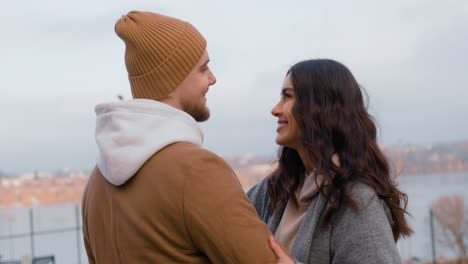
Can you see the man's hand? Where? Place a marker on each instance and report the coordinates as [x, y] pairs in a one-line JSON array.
[[283, 257]]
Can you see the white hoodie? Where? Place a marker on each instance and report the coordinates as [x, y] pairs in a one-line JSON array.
[[129, 133]]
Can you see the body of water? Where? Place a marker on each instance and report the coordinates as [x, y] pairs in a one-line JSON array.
[[423, 191]]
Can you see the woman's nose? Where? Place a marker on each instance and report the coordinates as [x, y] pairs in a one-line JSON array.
[[276, 110]]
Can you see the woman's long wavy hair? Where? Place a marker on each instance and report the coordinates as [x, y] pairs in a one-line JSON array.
[[332, 119]]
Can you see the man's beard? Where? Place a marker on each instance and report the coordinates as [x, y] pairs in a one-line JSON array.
[[199, 112]]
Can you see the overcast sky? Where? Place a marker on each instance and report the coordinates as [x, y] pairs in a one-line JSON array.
[[61, 58]]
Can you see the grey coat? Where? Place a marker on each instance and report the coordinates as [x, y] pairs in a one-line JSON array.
[[351, 237]]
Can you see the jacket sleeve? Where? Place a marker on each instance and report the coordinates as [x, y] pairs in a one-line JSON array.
[[363, 236], [219, 217]]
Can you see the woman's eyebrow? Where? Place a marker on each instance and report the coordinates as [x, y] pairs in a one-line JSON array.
[[287, 89]]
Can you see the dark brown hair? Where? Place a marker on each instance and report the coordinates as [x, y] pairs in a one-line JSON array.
[[333, 119]]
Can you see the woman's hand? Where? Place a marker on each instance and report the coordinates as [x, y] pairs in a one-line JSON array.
[[283, 257]]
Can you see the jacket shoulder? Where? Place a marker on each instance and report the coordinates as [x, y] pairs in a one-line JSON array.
[[367, 229], [363, 194], [368, 204], [183, 153]]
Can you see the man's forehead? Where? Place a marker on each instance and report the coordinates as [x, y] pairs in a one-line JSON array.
[[204, 59]]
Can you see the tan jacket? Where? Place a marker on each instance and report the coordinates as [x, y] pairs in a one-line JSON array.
[[185, 205]]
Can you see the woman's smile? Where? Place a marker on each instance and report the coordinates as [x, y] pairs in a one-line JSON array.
[[281, 124]]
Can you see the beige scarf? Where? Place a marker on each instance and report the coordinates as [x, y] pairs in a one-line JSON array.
[[292, 218]]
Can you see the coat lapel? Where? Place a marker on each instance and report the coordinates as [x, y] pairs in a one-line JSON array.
[[303, 242], [275, 219]]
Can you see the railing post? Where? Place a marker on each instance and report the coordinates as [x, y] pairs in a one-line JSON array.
[[78, 232], [431, 219], [10, 238], [31, 228]]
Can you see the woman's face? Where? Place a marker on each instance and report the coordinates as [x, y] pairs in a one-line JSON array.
[[288, 132]]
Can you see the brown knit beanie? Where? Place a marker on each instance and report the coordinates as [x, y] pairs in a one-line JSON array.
[[160, 52]]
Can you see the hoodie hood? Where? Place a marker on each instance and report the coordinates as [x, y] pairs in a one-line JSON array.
[[129, 133]]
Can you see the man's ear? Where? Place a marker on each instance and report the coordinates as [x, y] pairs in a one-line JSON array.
[[171, 99]]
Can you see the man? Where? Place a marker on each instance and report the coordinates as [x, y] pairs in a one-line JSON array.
[[156, 196]]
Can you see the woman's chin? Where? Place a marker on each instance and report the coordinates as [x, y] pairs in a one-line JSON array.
[[278, 141], [281, 142]]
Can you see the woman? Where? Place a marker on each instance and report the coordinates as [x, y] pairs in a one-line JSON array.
[[331, 199]]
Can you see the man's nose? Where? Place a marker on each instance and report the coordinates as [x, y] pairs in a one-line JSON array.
[[212, 79]]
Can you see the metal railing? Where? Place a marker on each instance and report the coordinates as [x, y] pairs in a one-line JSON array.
[[61, 245]]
